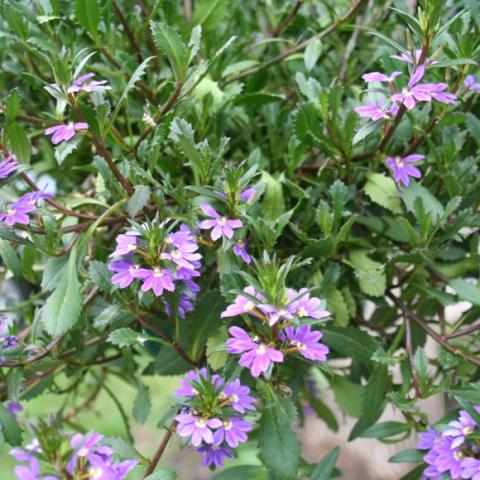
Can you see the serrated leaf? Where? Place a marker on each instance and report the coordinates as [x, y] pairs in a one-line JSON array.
[[11, 259], [209, 13], [430, 202], [382, 190], [217, 354], [138, 200], [63, 150], [9, 427], [364, 132], [370, 274], [337, 305], [100, 275], [125, 337], [171, 44], [19, 142], [273, 204], [63, 307], [279, 446], [466, 290]]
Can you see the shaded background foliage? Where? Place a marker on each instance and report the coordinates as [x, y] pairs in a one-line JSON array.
[[186, 77]]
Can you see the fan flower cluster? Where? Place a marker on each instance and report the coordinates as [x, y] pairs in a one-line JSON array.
[[18, 212], [90, 460], [258, 353], [159, 263], [84, 84], [213, 415], [454, 451]]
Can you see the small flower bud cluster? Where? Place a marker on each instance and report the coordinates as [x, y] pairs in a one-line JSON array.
[[454, 451], [259, 352], [213, 415]]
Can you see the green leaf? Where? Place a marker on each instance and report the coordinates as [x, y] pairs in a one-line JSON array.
[[9, 427], [137, 75], [453, 62], [412, 455], [10, 259], [337, 305], [351, 342], [347, 395], [370, 274], [217, 354], [431, 204], [242, 472], [324, 469], [312, 52], [167, 362], [100, 275], [19, 142], [138, 200], [309, 87], [279, 446], [162, 474], [65, 149], [204, 320], [15, 384], [63, 307], [142, 404], [273, 204], [364, 132], [13, 107], [382, 190], [87, 13], [473, 125], [385, 430], [171, 44], [124, 449], [126, 337], [258, 98], [372, 401], [466, 290], [209, 13]]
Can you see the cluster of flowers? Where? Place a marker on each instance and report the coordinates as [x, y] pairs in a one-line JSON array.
[[6, 340], [90, 460], [84, 84], [173, 260], [223, 227], [406, 98], [212, 415], [454, 451], [258, 353]]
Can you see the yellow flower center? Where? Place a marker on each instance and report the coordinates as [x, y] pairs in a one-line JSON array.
[[222, 220], [241, 243], [176, 254], [249, 306], [398, 161], [458, 455], [82, 452], [406, 92], [227, 425], [133, 269], [95, 472], [131, 247], [157, 272], [11, 211], [300, 345], [262, 348], [302, 312], [200, 423], [467, 430]]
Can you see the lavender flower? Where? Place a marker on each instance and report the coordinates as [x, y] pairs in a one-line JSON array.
[[9, 341], [471, 468], [256, 355], [380, 77], [8, 165], [413, 93], [82, 84], [305, 306], [243, 304], [221, 226], [126, 272], [126, 245], [238, 396], [460, 429], [240, 250], [158, 280], [31, 472], [428, 439], [14, 408], [214, 455], [274, 314], [84, 446], [377, 111], [307, 342], [186, 389], [402, 170], [232, 431], [408, 58], [471, 84], [18, 212], [199, 429], [65, 132]]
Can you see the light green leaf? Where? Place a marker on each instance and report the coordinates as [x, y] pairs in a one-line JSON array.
[[11, 259], [217, 354], [63, 307], [466, 290], [126, 337], [412, 455], [312, 52], [171, 44], [19, 142], [431, 204], [142, 404], [9, 427], [242, 472], [138, 200], [87, 13], [209, 13], [370, 274], [348, 395], [273, 204], [162, 474], [337, 305], [382, 190], [385, 430]]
